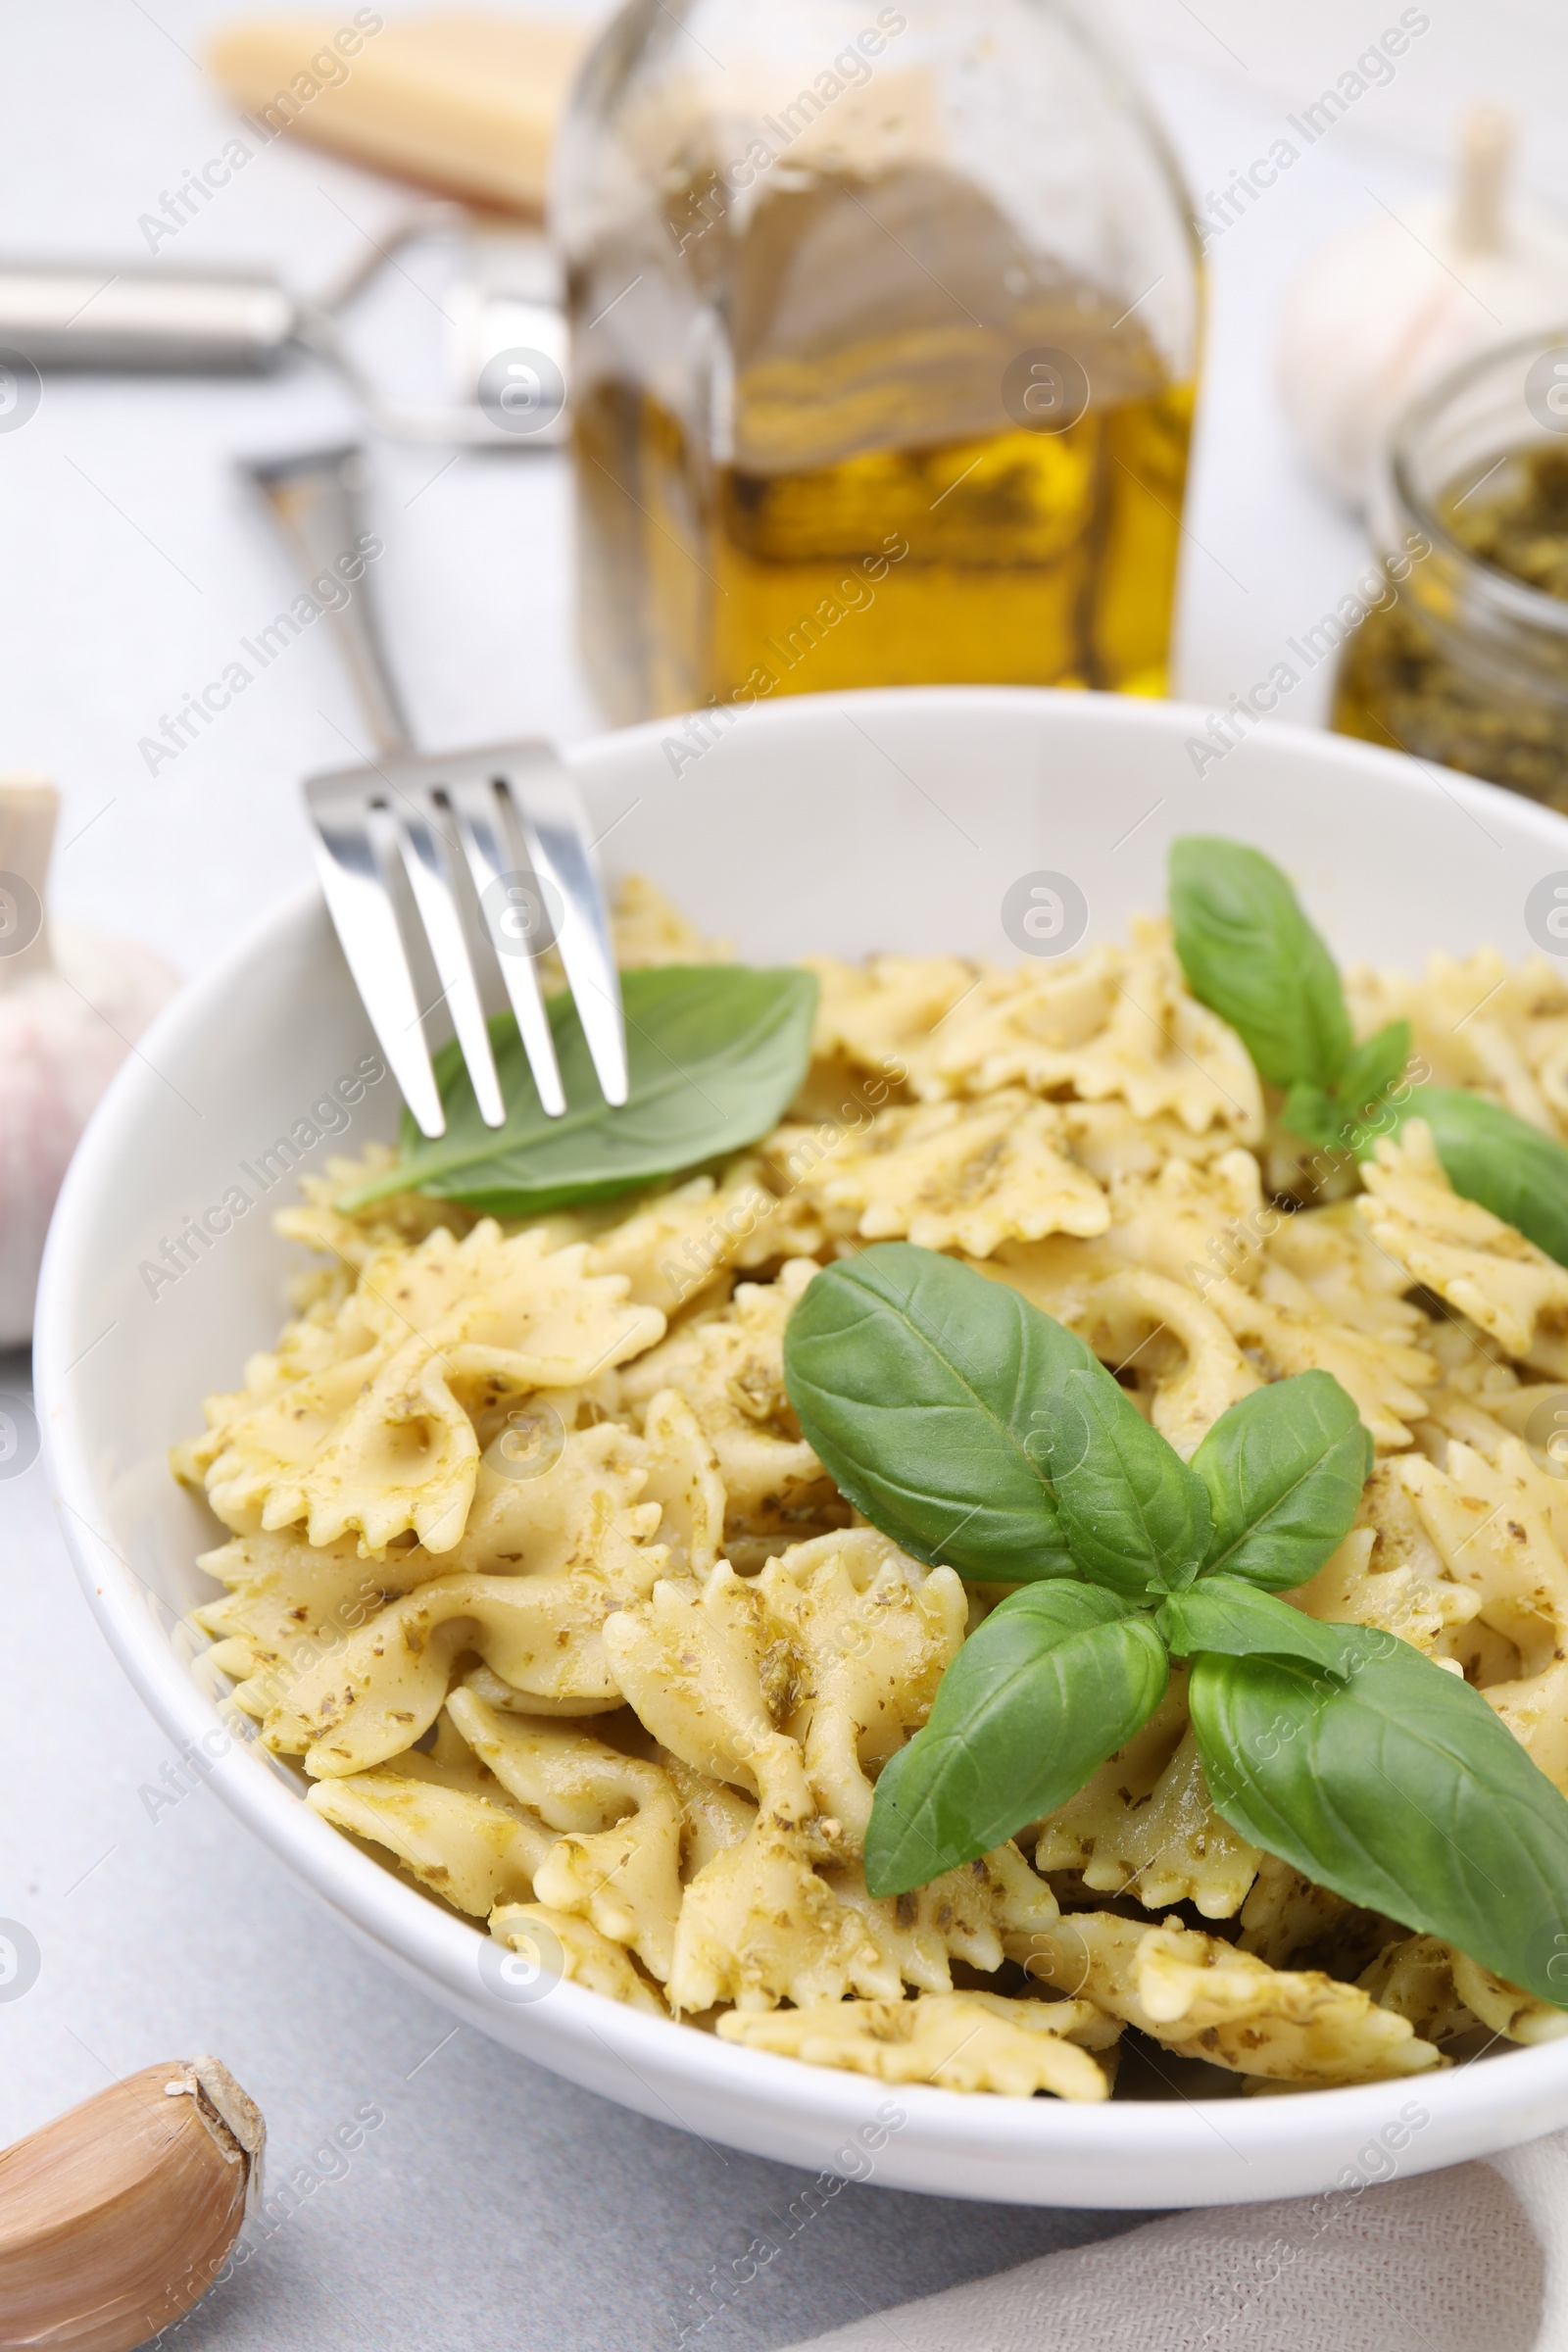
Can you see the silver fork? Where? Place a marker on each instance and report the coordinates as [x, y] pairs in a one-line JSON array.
[[494, 840]]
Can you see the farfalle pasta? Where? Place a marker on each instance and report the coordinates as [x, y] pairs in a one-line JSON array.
[[530, 1568]]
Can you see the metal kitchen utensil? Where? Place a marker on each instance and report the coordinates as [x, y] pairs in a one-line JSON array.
[[493, 843], [503, 312]]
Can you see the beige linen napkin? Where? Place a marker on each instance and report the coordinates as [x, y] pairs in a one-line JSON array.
[[1471, 2260]]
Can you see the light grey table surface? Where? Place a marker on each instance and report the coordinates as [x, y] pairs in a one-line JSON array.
[[495, 2205]]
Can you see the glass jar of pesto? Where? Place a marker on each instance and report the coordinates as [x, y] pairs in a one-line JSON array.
[[1465, 661]]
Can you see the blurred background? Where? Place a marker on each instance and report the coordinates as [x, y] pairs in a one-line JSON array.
[[137, 560], [1033, 286]]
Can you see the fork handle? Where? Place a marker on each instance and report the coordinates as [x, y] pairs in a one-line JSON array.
[[317, 503]]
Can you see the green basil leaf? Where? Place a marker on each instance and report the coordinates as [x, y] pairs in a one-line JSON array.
[[1491, 1156], [1053, 1682], [1284, 1469], [1373, 1067], [919, 1384], [1250, 955], [1235, 1620], [1135, 1517], [1338, 1121], [1400, 1789], [1315, 1115], [715, 1053]]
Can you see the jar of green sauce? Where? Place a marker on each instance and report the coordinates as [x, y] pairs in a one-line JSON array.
[[1464, 659]]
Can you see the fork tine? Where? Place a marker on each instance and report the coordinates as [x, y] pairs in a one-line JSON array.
[[426, 862], [367, 924], [474, 802], [555, 826]]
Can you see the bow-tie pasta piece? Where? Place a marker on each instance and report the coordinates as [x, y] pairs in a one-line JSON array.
[[700, 1668], [1495, 1540], [960, 1176], [344, 1328], [964, 1915], [1180, 1356], [873, 1016], [551, 1500], [1476, 1023], [1113, 1143], [1283, 1326], [645, 929], [958, 2041], [870, 1635], [381, 1443], [1192, 1224], [1203, 1999], [385, 1685], [683, 1478], [399, 1223], [784, 1915], [587, 1958], [402, 1456], [1018, 1027], [617, 1860], [1389, 1572], [729, 1366], [676, 1249], [1333, 1255], [545, 1561], [714, 1815], [1209, 1230], [1455, 2002], [1143, 1825], [260, 1440], [1285, 1918], [762, 1924], [1501, 2007], [1516, 1295], [1112, 1024], [447, 1820], [758, 1926], [289, 1607]]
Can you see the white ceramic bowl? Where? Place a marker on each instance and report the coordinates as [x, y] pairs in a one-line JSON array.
[[892, 819]]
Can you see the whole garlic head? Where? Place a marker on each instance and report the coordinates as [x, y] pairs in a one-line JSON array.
[[1380, 313], [71, 1005]]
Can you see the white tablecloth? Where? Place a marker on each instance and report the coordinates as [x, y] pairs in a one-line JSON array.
[[494, 2206]]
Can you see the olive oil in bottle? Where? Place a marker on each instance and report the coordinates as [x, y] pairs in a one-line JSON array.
[[870, 397]]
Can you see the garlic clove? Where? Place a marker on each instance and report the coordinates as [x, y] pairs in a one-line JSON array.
[[116, 2218], [72, 1004], [1380, 315]]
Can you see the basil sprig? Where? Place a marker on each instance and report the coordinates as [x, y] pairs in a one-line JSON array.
[[714, 1055], [1252, 956], [971, 1428]]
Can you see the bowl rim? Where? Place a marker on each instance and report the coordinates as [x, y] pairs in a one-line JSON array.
[[437, 1949]]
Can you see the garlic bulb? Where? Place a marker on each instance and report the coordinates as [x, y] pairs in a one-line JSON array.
[[116, 2218], [1380, 315], [72, 1004]]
